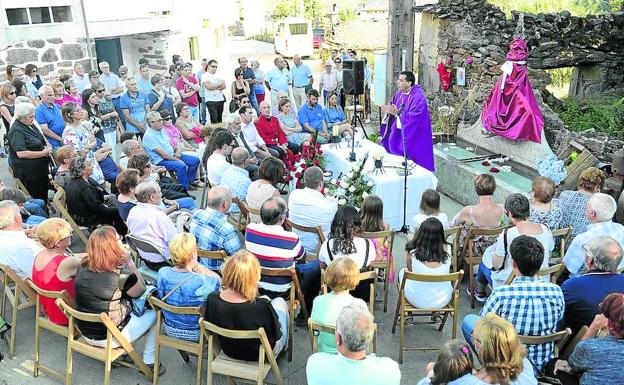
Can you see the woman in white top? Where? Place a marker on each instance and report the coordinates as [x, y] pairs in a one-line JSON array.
[[430, 208], [428, 253], [344, 241]]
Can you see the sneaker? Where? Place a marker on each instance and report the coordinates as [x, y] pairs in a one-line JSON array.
[[198, 183], [479, 295]]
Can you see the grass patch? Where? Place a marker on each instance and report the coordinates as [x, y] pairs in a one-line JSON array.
[[604, 113]]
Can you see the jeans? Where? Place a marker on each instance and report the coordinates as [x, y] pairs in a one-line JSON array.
[[33, 220], [137, 327], [281, 309], [321, 139], [484, 275], [36, 207], [468, 325], [194, 111], [202, 111], [254, 102], [185, 168], [310, 278], [186, 203]]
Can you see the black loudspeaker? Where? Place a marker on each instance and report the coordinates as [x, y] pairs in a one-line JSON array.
[[353, 77]]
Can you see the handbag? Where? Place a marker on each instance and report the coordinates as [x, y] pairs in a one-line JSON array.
[[502, 266]]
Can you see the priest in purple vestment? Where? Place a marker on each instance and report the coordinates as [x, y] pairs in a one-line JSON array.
[[408, 112], [511, 110]]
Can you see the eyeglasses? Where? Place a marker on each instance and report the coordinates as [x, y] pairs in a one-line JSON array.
[[213, 66], [168, 118], [99, 91], [157, 120], [167, 77]]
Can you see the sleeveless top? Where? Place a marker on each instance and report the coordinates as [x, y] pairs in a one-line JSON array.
[[257, 193], [7, 124], [47, 279], [238, 91]]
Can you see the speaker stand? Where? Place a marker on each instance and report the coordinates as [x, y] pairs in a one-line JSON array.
[[356, 118]]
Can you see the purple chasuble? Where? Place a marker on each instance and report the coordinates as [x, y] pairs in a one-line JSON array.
[[416, 123], [511, 110]]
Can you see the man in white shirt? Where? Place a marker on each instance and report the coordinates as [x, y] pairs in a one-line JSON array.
[[213, 86], [354, 332], [328, 81], [18, 251], [250, 134], [278, 79], [217, 162], [308, 207], [82, 81], [112, 82]]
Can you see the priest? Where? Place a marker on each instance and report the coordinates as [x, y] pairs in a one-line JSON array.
[[407, 115]]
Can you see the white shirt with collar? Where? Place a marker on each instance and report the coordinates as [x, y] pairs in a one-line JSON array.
[[216, 166], [253, 139], [308, 207], [18, 252], [574, 258]]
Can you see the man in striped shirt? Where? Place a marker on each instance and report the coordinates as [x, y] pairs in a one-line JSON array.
[[277, 248], [533, 306]]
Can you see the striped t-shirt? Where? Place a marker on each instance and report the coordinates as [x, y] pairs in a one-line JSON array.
[[275, 248]]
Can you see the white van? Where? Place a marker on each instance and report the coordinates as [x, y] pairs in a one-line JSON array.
[[294, 36]]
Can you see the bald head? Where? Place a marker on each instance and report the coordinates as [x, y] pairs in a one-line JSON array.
[[273, 211], [219, 198], [604, 253], [265, 108], [239, 156]]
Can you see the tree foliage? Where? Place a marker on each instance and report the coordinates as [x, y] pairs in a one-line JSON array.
[[576, 7]]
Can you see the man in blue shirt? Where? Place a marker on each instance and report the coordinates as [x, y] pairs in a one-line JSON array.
[[144, 80], [135, 106], [249, 75], [158, 147], [237, 177], [48, 115], [312, 118], [278, 79], [301, 80]]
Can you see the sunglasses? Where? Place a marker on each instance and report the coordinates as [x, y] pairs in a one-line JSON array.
[[167, 118], [167, 77], [337, 62], [99, 91], [12, 93], [214, 66]]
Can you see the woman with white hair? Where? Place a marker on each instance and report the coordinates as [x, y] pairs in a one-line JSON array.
[[259, 74], [28, 152]]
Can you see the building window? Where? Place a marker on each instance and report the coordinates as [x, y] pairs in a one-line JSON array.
[[39, 15]]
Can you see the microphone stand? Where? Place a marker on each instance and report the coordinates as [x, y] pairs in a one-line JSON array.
[[405, 227]]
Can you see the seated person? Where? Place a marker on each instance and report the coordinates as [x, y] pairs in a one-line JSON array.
[[17, 196], [158, 147], [289, 123], [312, 118], [236, 177], [239, 307], [335, 117], [275, 110], [428, 253], [99, 289], [574, 203], [533, 307], [597, 360], [341, 276], [170, 190], [583, 294], [345, 241], [249, 136], [544, 209], [496, 267], [217, 163], [64, 156], [600, 211], [271, 173], [269, 129], [233, 124], [354, 332], [85, 200], [147, 221], [18, 250], [211, 226], [34, 206], [129, 148], [176, 138], [430, 208], [54, 267], [186, 284]]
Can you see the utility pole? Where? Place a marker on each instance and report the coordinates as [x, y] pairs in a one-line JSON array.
[[400, 37]]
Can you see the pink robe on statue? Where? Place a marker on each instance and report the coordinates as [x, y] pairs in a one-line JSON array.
[[511, 110]]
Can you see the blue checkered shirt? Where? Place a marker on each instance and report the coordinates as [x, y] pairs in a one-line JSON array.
[[534, 307], [214, 232], [237, 179], [574, 258]]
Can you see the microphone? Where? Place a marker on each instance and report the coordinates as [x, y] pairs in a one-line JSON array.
[[401, 107]]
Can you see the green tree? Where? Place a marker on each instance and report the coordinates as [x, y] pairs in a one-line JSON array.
[[284, 9]]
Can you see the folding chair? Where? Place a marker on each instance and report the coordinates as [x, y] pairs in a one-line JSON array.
[[43, 322], [18, 182], [564, 353], [565, 233], [453, 232], [558, 339], [387, 264], [19, 295], [229, 367], [220, 255], [317, 230], [165, 340], [61, 206], [206, 187], [145, 246], [315, 329], [368, 275], [243, 216], [554, 271], [405, 309], [106, 354], [469, 256], [295, 299]]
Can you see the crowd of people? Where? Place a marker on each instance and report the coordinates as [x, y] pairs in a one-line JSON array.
[[158, 123]]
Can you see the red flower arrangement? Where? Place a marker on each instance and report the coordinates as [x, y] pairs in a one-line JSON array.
[[309, 156]]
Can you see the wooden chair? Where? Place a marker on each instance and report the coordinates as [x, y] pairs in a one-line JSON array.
[[61, 206], [559, 339], [19, 295], [242, 220], [565, 233], [453, 232], [405, 309], [385, 265], [106, 354], [315, 329], [295, 299], [554, 271], [43, 322], [165, 340], [318, 231], [18, 182], [372, 275], [469, 256], [215, 254], [146, 246], [229, 367], [569, 348]]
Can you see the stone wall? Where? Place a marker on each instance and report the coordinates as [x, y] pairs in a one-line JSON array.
[[462, 29], [150, 46], [48, 55]]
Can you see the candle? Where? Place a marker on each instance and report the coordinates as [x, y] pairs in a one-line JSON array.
[[335, 130], [379, 156]]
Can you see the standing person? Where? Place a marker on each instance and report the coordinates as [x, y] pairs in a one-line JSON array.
[[213, 86], [328, 82], [109, 116], [239, 88], [7, 110], [31, 75], [89, 105], [248, 75], [158, 100], [28, 152], [415, 120], [340, 89], [59, 91], [94, 78], [112, 82], [368, 85], [144, 81], [81, 81], [170, 90], [135, 107], [72, 92], [312, 118], [202, 96], [278, 79], [188, 86], [302, 80], [260, 76]]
